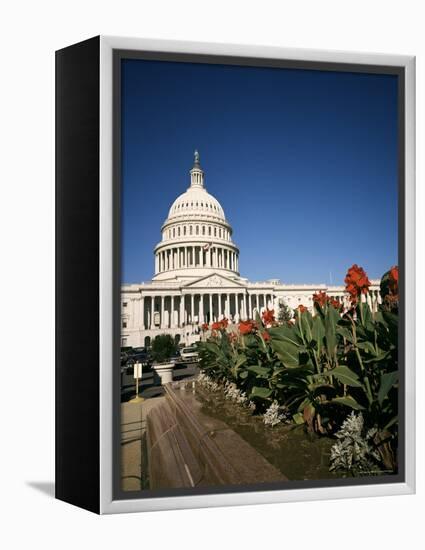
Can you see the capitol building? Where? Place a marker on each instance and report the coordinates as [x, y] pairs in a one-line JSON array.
[[197, 277]]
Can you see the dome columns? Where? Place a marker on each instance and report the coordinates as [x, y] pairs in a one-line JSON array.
[[196, 256]]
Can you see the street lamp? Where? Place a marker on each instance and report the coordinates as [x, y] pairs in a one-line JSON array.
[[137, 375]]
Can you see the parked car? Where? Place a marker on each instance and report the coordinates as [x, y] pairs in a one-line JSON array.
[[189, 355], [176, 357], [138, 355]]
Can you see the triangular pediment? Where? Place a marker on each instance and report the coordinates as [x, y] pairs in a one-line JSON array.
[[214, 280]]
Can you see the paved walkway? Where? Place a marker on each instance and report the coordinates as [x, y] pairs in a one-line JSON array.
[[134, 464], [134, 474]]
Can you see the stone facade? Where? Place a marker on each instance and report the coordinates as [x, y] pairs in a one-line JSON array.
[[197, 276]]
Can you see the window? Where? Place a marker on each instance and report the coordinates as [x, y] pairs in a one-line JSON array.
[[209, 230], [197, 229], [123, 342], [178, 231], [215, 232], [184, 230], [190, 230], [174, 232], [124, 323], [203, 230], [124, 304]]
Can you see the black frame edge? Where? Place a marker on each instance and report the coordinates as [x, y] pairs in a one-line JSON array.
[[77, 459]]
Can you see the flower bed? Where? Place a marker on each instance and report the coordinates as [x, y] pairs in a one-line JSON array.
[[333, 371]]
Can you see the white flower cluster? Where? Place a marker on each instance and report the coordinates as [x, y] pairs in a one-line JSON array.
[[208, 382], [273, 415], [232, 392], [352, 451]]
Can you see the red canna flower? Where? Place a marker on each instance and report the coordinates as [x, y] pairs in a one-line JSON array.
[[246, 327], [268, 317], [356, 282], [320, 298], [205, 327], [393, 280], [302, 309], [334, 303], [266, 336], [220, 325]]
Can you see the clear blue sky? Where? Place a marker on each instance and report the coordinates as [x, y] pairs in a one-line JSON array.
[[303, 162]]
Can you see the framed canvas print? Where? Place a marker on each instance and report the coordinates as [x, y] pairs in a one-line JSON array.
[[235, 275]]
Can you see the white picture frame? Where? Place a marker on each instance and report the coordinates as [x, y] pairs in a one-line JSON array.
[[108, 504]]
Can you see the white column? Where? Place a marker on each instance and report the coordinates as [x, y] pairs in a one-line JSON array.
[[219, 305], [152, 311], [172, 321], [211, 307], [227, 306], [161, 323], [181, 316], [142, 313], [201, 309], [192, 307]]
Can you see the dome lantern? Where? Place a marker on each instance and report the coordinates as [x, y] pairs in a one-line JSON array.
[[196, 174]]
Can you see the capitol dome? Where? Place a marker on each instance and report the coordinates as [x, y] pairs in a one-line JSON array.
[[196, 237], [196, 202]]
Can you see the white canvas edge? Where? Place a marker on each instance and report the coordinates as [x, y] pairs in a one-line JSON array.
[[107, 504]]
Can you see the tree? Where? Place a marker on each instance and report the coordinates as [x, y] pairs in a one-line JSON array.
[[163, 348], [284, 313]]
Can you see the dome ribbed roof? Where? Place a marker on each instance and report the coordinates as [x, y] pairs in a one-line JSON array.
[[196, 201]]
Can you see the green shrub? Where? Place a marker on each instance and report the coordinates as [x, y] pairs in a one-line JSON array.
[[163, 348]]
